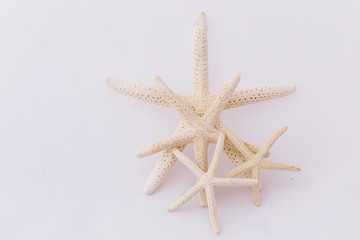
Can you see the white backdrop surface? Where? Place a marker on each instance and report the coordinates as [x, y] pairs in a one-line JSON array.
[[67, 142]]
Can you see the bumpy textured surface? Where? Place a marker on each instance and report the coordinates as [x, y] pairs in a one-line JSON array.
[[207, 181], [199, 101], [199, 130], [163, 166], [200, 125]]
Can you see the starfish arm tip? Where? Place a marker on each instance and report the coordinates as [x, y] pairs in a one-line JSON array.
[[235, 79], [237, 75], [110, 82], [287, 89], [203, 203], [149, 189], [140, 153], [292, 89], [157, 79], [115, 84], [201, 18], [297, 169]]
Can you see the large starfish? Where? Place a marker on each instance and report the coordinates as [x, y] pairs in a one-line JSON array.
[[197, 130], [256, 162], [207, 181], [200, 101]]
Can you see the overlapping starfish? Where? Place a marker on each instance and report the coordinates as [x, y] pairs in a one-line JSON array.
[[201, 125], [207, 180]]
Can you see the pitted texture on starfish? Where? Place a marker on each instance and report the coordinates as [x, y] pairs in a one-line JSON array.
[[144, 93], [163, 166], [199, 128], [207, 181], [258, 94], [200, 59], [199, 111], [239, 98]]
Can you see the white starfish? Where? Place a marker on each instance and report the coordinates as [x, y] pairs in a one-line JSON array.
[[256, 162], [207, 181], [198, 130], [200, 101]]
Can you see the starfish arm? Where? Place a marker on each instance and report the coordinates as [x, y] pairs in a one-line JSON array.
[[256, 194], [186, 197], [278, 166], [144, 93], [200, 82], [235, 156], [252, 147], [237, 159], [256, 188], [188, 163], [240, 169], [210, 197], [258, 94], [234, 181], [176, 102], [160, 171], [200, 153], [163, 166], [230, 145], [221, 100], [268, 144], [166, 143], [217, 154], [249, 155]]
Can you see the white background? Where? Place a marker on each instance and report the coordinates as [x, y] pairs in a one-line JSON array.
[[67, 142]]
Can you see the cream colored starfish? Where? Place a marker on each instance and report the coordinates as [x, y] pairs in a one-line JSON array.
[[200, 100], [256, 162], [207, 181], [198, 130]]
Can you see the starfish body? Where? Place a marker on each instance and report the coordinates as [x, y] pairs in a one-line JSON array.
[[207, 181], [197, 107]]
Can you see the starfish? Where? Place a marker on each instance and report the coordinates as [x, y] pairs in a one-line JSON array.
[[207, 181], [256, 162], [198, 130], [200, 101]]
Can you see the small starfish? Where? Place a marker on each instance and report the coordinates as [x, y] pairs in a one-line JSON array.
[[256, 162], [207, 181], [200, 101]]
